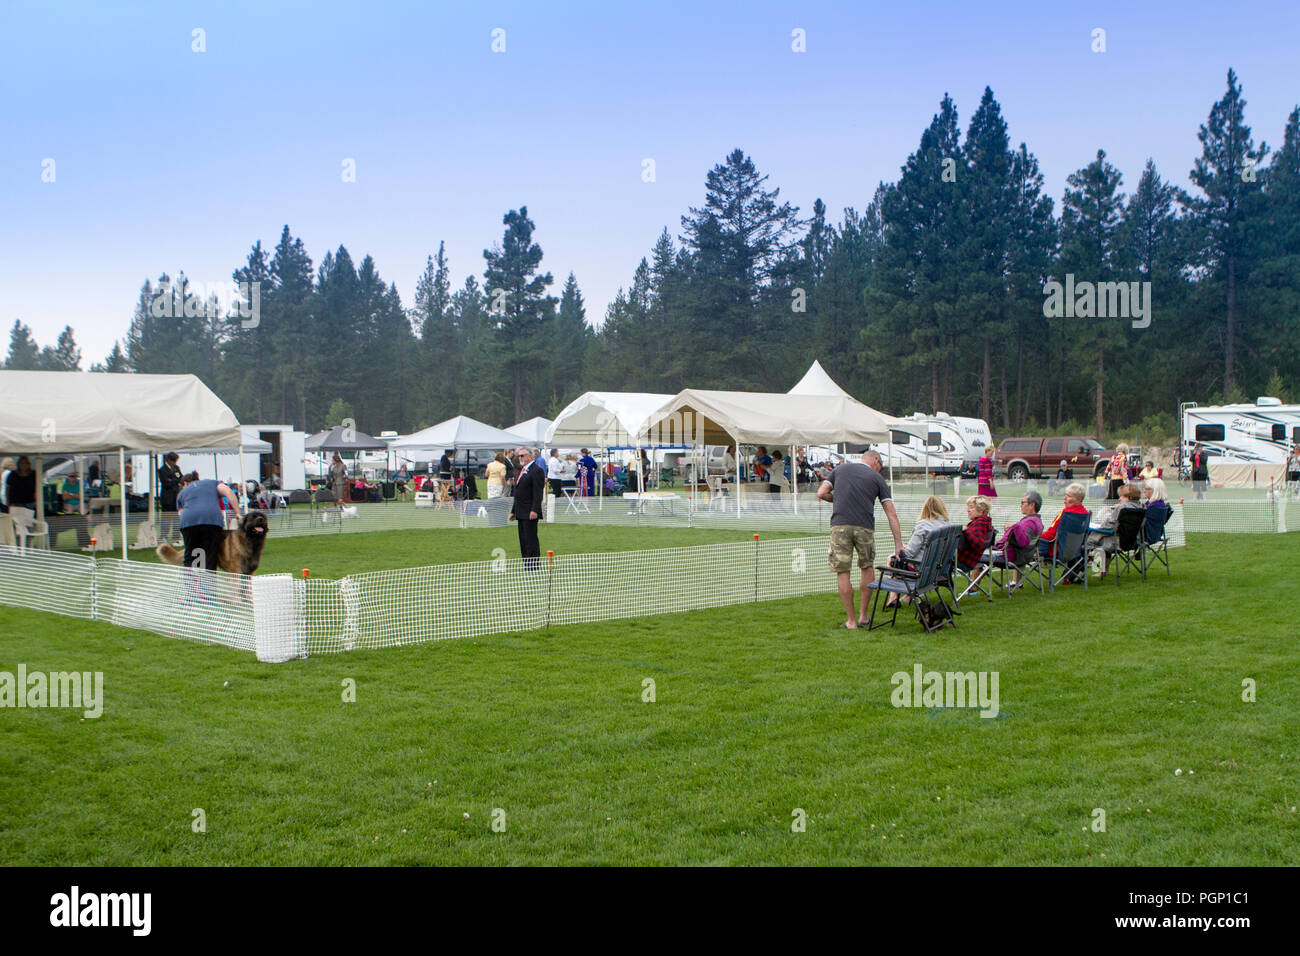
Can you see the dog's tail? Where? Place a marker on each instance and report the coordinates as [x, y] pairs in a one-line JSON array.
[[169, 554]]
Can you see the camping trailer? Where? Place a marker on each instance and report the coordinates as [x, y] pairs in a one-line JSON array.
[[1262, 433], [951, 443]]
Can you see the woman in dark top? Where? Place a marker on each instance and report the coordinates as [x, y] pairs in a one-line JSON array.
[[20, 486], [1200, 472], [202, 523]]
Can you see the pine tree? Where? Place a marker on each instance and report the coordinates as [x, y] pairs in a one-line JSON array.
[[985, 186], [24, 353], [1274, 282], [1091, 214], [916, 292], [64, 357], [1031, 253], [247, 356], [1226, 173], [288, 308], [569, 343], [518, 303], [441, 343]]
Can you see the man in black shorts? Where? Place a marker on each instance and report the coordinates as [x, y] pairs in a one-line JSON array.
[[853, 489]]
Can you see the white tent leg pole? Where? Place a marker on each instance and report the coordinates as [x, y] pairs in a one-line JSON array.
[[152, 476], [891, 458], [243, 482], [40, 492], [733, 438], [81, 483], [121, 484], [794, 476]]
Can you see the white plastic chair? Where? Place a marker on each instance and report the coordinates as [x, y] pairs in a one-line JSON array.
[[27, 527], [7, 531]]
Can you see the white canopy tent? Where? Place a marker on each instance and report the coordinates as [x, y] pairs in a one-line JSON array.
[[457, 434], [71, 413], [605, 419], [531, 432]]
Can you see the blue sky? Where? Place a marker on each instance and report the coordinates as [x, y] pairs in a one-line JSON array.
[[168, 159]]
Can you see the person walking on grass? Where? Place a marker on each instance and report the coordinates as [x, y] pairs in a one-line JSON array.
[[853, 489]]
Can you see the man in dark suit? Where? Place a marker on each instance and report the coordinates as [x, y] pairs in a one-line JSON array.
[[530, 495]]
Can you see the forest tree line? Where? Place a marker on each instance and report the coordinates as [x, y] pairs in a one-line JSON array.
[[931, 298]]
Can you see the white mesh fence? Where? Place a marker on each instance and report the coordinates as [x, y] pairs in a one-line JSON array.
[[413, 605], [208, 606], [47, 581]]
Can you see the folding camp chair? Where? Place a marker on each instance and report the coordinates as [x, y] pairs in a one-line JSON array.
[[1128, 530], [1027, 564], [323, 503], [1154, 540], [1069, 558], [974, 576], [916, 586]]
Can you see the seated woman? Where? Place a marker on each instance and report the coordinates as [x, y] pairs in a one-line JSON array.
[[1156, 495], [934, 515], [1074, 496], [1018, 536], [1150, 471], [1104, 537], [978, 534]]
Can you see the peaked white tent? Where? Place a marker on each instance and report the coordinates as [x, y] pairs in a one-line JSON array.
[[817, 381], [771, 418], [604, 420], [531, 432], [72, 413], [457, 434]]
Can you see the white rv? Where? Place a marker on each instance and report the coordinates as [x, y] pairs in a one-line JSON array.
[[1262, 433], [951, 443]]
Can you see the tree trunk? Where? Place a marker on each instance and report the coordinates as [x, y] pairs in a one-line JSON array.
[[1060, 393], [1232, 325], [1020, 378], [519, 394], [934, 387], [1006, 406], [1101, 380], [987, 385]]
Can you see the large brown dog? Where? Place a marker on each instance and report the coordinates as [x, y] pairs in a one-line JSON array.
[[241, 548]]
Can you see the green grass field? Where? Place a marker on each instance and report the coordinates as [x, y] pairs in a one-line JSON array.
[[759, 710]]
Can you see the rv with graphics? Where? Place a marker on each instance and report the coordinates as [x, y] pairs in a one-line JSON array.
[[1262, 433], [951, 443]]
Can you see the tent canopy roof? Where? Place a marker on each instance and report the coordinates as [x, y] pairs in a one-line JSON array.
[[531, 432], [769, 418], [604, 419], [340, 439], [44, 413], [817, 381], [457, 433]]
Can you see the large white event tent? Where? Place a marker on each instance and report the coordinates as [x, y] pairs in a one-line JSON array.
[[77, 413], [769, 418]]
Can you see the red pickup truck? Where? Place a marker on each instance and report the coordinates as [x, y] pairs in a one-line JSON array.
[[1019, 458]]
